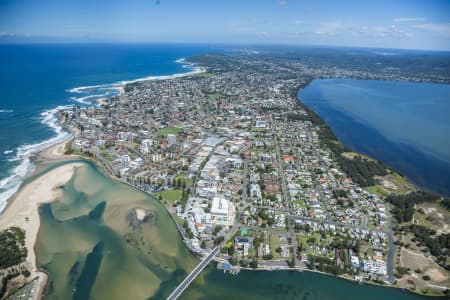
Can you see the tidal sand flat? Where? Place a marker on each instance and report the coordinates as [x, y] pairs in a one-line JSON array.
[[22, 210], [104, 240]]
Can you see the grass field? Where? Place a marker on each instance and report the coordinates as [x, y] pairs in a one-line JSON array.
[[106, 156], [391, 183], [434, 216], [421, 219], [257, 129], [183, 178], [303, 240], [202, 75], [171, 196], [276, 242], [377, 190], [168, 130], [417, 261], [216, 96], [178, 219], [352, 155]]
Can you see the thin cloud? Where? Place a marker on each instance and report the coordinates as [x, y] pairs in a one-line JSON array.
[[415, 19], [258, 21], [7, 34], [440, 28], [331, 28], [340, 28], [262, 34], [389, 31]]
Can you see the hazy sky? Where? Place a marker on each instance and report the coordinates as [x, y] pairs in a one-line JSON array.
[[417, 24]]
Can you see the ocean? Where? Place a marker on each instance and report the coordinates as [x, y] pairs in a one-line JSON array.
[[405, 125], [37, 80]]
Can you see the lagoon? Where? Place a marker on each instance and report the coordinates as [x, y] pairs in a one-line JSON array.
[[405, 125], [92, 248]]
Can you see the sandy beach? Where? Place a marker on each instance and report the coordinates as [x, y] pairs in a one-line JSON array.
[[102, 101], [23, 208], [54, 152], [120, 89]]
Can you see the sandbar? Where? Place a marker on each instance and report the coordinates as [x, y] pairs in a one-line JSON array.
[[22, 210]]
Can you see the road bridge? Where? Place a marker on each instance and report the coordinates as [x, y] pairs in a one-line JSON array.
[[197, 270]]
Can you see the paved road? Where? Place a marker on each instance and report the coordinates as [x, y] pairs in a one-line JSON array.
[[285, 193], [197, 270], [390, 256], [322, 199], [244, 182], [267, 229], [337, 224], [319, 221]]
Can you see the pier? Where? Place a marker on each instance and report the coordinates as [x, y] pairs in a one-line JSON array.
[[226, 267]]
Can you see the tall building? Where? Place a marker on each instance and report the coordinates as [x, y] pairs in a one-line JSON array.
[[222, 211], [145, 146], [171, 139]]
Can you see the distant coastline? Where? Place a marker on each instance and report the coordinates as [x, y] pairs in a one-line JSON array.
[[121, 84]]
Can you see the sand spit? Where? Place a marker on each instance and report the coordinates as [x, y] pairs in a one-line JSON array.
[[22, 210]]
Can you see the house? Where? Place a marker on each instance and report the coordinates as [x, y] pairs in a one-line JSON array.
[[288, 159], [243, 243], [255, 191]]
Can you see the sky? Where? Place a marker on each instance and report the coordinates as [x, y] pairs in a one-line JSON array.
[[411, 24]]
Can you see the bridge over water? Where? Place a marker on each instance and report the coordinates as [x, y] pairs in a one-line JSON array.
[[197, 270]]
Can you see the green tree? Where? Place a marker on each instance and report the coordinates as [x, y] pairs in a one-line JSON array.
[[254, 263]]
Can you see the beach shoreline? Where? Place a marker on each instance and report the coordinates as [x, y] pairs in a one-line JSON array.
[[11, 185], [22, 210], [52, 119]]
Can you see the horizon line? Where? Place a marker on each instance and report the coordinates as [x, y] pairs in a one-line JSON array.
[[241, 44]]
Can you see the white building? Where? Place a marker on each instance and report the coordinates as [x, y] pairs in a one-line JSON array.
[[222, 211], [145, 146], [255, 191], [375, 266], [171, 139], [100, 143]]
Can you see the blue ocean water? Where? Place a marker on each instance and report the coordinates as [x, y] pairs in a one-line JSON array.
[[36, 79], [405, 125]]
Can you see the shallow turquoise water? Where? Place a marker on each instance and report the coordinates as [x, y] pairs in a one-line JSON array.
[[93, 247]]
